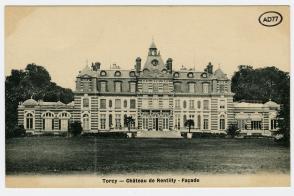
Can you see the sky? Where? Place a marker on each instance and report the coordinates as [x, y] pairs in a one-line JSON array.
[[65, 39]]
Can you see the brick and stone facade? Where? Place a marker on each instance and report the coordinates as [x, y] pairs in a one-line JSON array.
[[156, 96]]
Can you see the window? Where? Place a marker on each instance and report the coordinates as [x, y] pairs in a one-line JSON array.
[[255, 125], [117, 73], [242, 124], [177, 104], [85, 120], [199, 104], [222, 124], [117, 104], [29, 121], [102, 121], [133, 104], [48, 121], [190, 75], [177, 87], [184, 104], [85, 102], [198, 122], [118, 121], [274, 124], [102, 73], [176, 75], [133, 87], [110, 103], [155, 87], [165, 123], [221, 88], [102, 103], [117, 86], [191, 87], [63, 124], [103, 86], [178, 121], [206, 105], [205, 122], [125, 103], [144, 87], [191, 104], [184, 119], [165, 88], [110, 121], [205, 87], [145, 122], [222, 104]]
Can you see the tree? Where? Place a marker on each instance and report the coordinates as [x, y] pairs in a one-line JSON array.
[[75, 128], [129, 121], [232, 130], [264, 84], [189, 123], [34, 81]]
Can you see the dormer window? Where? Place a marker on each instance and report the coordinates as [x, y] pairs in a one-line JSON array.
[[204, 75], [176, 75], [190, 75], [103, 73], [132, 74], [117, 73]]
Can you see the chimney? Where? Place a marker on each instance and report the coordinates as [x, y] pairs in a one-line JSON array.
[[96, 66], [209, 68], [138, 64], [169, 65]]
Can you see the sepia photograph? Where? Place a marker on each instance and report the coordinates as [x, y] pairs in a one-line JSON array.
[[147, 96]]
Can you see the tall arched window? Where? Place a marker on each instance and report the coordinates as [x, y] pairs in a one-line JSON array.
[[48, 121], [222, 122], [86, 122], [29, 121], [110, 121], [184, 104], [63, 121], [125, 103], [198, 122], [184, 119]]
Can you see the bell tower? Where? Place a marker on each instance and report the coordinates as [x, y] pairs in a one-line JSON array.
[[153, 49]]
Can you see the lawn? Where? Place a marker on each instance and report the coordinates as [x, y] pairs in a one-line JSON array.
[[88, 155]]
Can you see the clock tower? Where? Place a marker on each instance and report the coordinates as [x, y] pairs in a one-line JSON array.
[[154, 60]]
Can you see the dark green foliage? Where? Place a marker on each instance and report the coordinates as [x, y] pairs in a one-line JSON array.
[[17, 131], [75, 128], [33, 82], [232, 130], [129, 121], [264, 84], [189, 123]]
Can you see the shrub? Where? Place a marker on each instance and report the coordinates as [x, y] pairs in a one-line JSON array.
[[19, 131], [75, 128], [232, 130]]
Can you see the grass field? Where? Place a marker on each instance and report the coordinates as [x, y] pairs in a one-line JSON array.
[[84, 155]]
